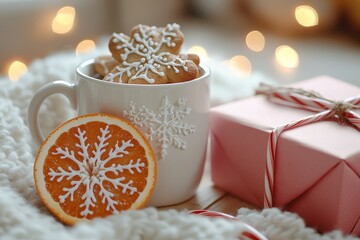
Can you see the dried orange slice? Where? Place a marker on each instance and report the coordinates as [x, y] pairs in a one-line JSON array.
[[93, 166]]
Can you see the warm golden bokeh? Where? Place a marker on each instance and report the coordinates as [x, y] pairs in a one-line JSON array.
[[85, 46], [64, 20], [200, 51], [241, 64], [255, 41], [16, 69], [287, 56], [306, 16]]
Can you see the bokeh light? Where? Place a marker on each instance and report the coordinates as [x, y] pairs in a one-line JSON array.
[[16, 70], [287, 56], [200, 51], [241, 64], [306, 16], [255, 41], [85, 46], [64, 20]]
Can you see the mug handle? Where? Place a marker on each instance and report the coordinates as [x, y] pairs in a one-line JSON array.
[[62, 87]]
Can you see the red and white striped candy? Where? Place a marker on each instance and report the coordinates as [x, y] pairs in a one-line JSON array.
[[249, 232]]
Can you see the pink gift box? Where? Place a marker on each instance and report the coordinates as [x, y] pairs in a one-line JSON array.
[[317, 168]]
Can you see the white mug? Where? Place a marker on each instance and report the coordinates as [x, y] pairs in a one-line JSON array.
[[173, 117]]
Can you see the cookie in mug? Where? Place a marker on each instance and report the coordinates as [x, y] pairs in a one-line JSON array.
[[150, 55]]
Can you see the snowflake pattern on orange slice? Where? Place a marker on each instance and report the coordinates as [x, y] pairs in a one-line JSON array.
[[164, 126], [147, 53], [92, 171]]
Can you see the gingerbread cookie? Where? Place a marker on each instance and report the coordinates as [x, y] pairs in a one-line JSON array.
[[193, 57], [150, 56], [104, 64]]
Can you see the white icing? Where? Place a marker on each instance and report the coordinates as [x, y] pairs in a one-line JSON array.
[[165, 126], [150, 58], [93, 171]]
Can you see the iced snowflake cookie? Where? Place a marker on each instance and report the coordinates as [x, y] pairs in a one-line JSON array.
[[193, 57], [150, 55], [93, 166]]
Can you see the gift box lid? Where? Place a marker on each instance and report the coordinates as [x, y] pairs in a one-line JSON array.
[[260, 113]]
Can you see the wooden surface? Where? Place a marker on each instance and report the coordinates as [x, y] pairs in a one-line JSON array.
[[211, 198]]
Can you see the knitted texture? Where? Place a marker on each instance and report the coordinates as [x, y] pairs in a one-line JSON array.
[[275, 224], [23, 215]]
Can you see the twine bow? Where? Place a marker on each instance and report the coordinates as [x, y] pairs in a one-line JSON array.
[[298, 98]]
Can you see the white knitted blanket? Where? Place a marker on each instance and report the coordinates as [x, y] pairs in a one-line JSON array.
[[23, 216]]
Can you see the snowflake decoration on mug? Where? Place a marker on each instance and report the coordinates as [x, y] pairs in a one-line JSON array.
[[165, 126]]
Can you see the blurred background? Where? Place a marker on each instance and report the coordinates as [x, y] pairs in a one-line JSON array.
[[283, 40]]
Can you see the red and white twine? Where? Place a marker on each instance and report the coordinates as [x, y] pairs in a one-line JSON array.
[[325, 108]]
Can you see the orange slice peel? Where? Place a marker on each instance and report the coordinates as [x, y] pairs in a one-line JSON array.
[[93, 166]]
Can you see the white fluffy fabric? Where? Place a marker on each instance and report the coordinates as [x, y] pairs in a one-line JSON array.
[[23, 215]]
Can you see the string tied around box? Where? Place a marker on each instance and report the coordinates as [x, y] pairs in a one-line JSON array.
[[342, 111]]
